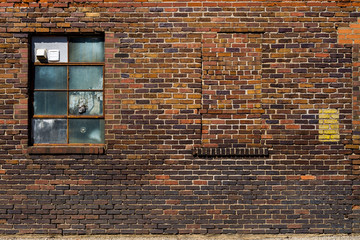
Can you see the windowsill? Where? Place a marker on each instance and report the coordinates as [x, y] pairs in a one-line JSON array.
[[230, 152], [61, 150]]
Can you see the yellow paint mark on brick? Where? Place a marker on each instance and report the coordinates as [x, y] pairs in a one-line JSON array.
[[329, 125], [324, 138], [330, 132], [323, 116], [331, 121], [328, 111], [335, 137], [324, 127]]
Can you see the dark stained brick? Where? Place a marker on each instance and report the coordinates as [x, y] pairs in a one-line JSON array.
[[212, 114]]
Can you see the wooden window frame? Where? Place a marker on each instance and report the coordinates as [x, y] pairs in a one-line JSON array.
[[68, 116]]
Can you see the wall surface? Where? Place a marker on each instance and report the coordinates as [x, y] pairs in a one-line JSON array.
[[220, 117]]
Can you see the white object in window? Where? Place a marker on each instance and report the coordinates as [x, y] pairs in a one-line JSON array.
[[53, 55], [41, 54]]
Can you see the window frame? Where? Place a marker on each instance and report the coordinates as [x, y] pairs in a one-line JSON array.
[[68, 116]]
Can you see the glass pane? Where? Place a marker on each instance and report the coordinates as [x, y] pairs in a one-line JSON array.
[[50, 77], [49, 131], [88, 49], [86, 77], [50, 43], [50, 103], [86, 103], [86, 130]]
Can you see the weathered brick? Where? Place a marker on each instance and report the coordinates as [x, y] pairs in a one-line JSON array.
[[221, 117]]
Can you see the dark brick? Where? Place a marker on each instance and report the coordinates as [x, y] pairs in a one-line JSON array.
[[212, 121], [121, 55]]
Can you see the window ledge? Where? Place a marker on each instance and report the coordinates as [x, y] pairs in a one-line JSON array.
[[59, 150], [230, 152]]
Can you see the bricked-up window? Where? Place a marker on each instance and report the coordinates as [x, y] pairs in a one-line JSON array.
[[68, 90], [231, 90]]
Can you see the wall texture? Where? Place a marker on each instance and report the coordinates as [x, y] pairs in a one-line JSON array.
[[221, 117]]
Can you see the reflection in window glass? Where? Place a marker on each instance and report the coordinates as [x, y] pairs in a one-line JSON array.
[[86, 49], [49, 131], [50, 77], [86, 103], [50, 103], [86, 77], [86, 130], [67, 96]]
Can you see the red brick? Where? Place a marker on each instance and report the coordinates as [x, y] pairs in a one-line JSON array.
[[244, 80]]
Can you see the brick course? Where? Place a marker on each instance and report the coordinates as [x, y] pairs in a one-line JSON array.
[[187, 83]]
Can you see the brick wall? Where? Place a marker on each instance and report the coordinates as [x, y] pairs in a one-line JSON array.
[[221, 117]]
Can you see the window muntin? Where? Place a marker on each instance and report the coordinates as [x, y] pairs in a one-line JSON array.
[[68, 95]]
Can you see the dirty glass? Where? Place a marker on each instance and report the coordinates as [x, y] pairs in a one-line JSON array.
[[86, 130], [50, 77], [86, 49], [49, 131], [50, 42], [50, 103], [86, 77], [86, 103], [72, 90]]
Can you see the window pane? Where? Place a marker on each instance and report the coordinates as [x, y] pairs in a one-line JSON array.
[[86, 77], [50, 43], [50, 103], [49, 131], [50, 77], [90, 49], [86, 131], [86, 103]]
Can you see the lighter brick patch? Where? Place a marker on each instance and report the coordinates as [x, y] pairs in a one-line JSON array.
[[349, 35], [329, 125]]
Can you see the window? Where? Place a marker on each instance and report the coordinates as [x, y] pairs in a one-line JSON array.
[[67, 90]]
